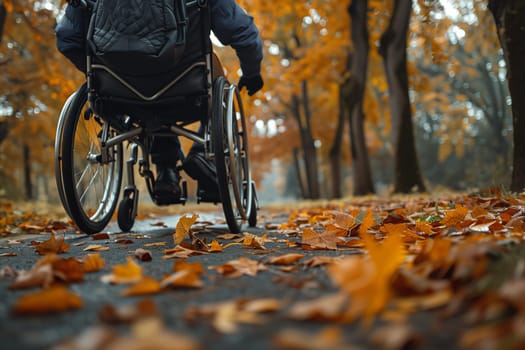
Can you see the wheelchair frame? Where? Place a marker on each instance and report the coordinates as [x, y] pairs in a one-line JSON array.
[[224, 141]]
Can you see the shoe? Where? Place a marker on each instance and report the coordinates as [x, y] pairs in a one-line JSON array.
[[205, 173], [166, 189]]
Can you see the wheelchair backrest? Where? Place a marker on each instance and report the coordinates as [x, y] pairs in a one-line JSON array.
[[148, 53]]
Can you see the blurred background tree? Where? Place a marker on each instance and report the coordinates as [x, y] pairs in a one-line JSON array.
[[305, 132]]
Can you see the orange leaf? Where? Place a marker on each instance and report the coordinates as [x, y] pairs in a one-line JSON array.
[[49, 300], [326, 240], [215, 247], [93, 262], [183, 227], [241, 266], [125, 273], [368, 221], [285, 259], [52, 245], [455, 216], [69, 270], [147, 285]]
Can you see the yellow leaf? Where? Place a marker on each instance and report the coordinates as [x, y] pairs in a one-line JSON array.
[[183, 227]]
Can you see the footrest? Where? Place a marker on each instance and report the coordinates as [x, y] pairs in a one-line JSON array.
[[167, 199]]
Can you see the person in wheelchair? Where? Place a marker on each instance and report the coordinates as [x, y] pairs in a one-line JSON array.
[[232, 26]]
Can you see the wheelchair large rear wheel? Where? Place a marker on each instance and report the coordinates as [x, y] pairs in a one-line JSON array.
[[230, 147], [88, 180]]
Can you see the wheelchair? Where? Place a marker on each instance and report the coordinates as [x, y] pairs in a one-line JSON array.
[[118, 109]]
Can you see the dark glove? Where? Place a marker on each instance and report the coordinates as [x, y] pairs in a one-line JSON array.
[[253, 84]]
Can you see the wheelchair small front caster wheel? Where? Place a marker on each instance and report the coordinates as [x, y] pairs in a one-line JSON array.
[[125, 216]]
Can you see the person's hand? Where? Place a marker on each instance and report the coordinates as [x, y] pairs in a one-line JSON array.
[[253, 83]]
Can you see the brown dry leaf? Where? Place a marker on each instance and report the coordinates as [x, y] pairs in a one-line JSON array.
[[97, 337], [322, 260], [325, 308], [147, 285], [228, 236], [143, 254], [127, 313], [455, 216], [93, 262], [239, 267], [229, 314], [125, 273], [38, 276], [313, 240], [7, 254], [395, 337], [285, 259], [68, 270], [155, 244], [183, 227], [54, 245], [50, 300], [330, 338], [186, 275], [181, 252], [183, 278], [254, 241], [99, 236], [96, 248]]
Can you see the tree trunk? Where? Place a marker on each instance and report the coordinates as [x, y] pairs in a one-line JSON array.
[[407, 176], [360, 163], [27, 173], [335, 150], [3, 16], [300, 179], [509, 16], [309, 150]]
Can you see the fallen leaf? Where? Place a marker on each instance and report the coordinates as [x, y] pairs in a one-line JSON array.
[[127, 313], [54, 245], [239, 267], [93, 262], [325, 308], [215, 247], [155, 244], [183, 227], [99, 236], [395, 337], [314, 240], [329, 338], [38, 276], [50, 300], [95, 248], [146, 285], [285, 259], [143, 254], [68, 270], [7, 254], [124, 273]]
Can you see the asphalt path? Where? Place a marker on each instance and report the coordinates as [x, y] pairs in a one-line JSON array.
[[45, 332]]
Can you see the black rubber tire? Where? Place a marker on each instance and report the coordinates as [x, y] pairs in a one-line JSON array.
[[75, 190], [252, 217], [125, 216]]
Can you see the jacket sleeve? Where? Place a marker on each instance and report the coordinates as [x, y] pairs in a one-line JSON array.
[[71, 36], [234, 27]]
